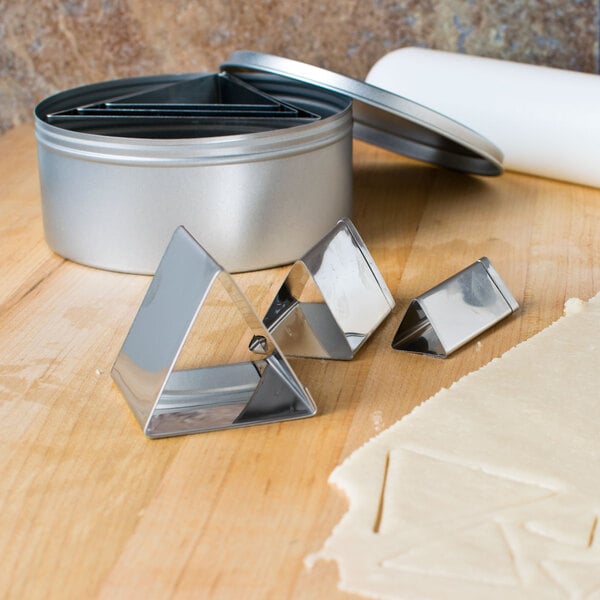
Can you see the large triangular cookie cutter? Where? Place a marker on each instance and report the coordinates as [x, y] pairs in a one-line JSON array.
[[257, 388], [332, 300]]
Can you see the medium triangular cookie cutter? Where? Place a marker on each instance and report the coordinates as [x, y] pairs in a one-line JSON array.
[[332, 300], [256, 385]]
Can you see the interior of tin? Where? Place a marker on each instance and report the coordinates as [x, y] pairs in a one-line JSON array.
[[184, 106]]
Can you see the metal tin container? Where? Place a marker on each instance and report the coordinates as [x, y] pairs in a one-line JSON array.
[[255, 161], [256, 199]]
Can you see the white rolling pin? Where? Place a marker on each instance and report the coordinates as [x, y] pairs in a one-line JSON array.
[[546, 121]]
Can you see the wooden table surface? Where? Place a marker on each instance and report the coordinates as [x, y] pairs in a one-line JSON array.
[[90, 508]]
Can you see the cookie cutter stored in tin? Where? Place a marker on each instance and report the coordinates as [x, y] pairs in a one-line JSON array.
[[333, 298], [198, 358], [454, 312], [202, 106]]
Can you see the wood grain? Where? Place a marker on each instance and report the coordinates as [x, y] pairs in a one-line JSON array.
[[89, 508]]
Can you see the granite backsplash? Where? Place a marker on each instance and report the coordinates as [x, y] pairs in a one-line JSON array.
[[47, 45]]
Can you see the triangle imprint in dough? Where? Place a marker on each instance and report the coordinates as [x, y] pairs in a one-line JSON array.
[[477, 554]]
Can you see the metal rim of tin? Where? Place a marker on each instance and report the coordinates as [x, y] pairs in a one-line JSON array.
[[223, 149], [386, 119]]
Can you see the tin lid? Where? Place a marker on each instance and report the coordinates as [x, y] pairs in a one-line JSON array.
[[386, 119]]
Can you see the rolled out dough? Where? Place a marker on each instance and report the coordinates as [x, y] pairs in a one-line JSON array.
[[489, 489]]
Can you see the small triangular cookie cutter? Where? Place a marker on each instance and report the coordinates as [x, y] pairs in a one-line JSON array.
[[332, 300], [455, 311], [259, 388]]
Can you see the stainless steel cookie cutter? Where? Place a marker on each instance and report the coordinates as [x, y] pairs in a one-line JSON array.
[[197, 356], [332, 300], [122, 163], [454, 312]]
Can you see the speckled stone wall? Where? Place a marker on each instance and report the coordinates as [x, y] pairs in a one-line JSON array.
[[48, 45]]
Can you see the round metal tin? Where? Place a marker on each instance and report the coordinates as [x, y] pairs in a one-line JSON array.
[[386, 119], [253, 200]]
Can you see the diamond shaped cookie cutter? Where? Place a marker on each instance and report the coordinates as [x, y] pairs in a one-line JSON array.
[[198, 358], [455, 311], [332, 300]]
